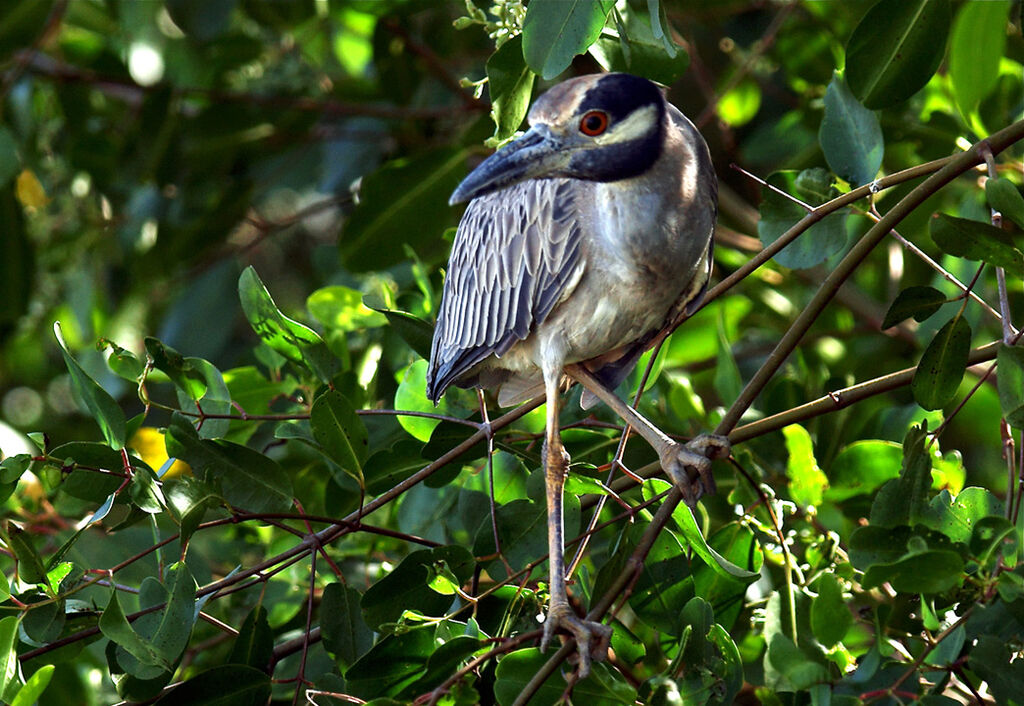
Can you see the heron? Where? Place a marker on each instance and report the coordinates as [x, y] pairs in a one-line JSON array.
[[583, 241]]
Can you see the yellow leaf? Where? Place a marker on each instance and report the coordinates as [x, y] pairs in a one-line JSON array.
[[148, 443], [29, 191]]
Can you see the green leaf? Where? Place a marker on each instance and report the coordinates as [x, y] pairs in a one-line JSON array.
[[850, 135], [779, 214], [942, 365], [179, 614], [919, 302], [342, 308], [1010, 379], [861, 468], [388, 467], [830, 617], [181, 372], [639, 50], [555, 31], [604, 686], [522, 532], [254, 645], [115, 626], [405, 202], [664, 584], [31, 568], [188, 499], [904, 500], [411, 395], [224, 685], [976, 241], [35, 686], [215, 400], [346, 635], [895, 49], [8, 655], [98, 401], [44, 622], [407, 586], [391, 665], [510, 84], [340, 432], [800, 668], [1004, 197], [85, 483], [957, 517], [444, 662], [122, 362], [683, 516], [247, 478], [975, 50], [296, 342], [930, 571], [995, 662], [738, 544], [411, 329], [807, 482]]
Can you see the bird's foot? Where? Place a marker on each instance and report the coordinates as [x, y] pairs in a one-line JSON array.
[[678, 460], [592, 638]]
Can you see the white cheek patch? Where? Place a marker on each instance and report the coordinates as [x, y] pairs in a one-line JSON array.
[[640, 123]]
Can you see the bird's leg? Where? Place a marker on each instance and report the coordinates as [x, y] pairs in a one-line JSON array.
[[592, 638], [688, 465]]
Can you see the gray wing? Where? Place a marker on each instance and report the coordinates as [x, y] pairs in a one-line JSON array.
[[515, 254]]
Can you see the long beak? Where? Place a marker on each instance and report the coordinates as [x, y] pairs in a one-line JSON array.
[[537, 153]]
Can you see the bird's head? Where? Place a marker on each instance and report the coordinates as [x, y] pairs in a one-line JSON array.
[[602, 127]]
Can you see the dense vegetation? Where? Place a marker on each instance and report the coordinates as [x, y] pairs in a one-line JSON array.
[[223, 228]]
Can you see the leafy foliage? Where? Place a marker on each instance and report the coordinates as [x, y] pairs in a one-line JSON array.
[[223, 482]]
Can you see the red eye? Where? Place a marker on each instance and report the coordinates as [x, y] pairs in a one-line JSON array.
[[594, 123]]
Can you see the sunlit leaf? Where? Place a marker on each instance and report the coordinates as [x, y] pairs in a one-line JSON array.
[[296, 342], [555, 31], [975, 49], [807, 482]]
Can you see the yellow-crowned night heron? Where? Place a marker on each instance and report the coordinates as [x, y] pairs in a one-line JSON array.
[[583, 240]]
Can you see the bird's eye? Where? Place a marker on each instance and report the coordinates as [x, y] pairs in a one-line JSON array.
[[594, 123]]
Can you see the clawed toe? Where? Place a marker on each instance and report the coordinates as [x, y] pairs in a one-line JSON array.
[[689, 465], [592, 638]]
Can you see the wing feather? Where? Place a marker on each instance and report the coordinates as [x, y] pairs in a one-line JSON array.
[[516, 253]]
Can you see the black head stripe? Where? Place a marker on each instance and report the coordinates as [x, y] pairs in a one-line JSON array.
[[621, 94]]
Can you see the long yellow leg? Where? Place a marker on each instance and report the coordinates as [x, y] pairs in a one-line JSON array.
[[687, 465], [592, 638]]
